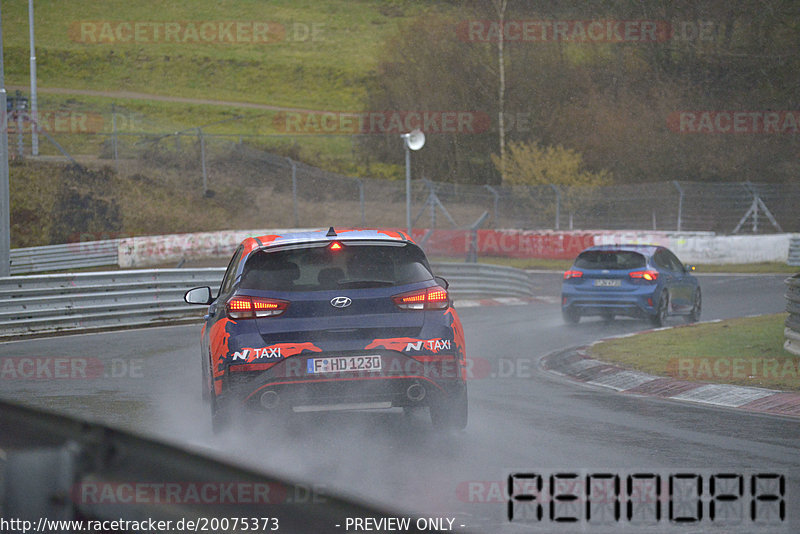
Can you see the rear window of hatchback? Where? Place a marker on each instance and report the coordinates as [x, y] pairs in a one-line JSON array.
[[610, 259], [317, 267]]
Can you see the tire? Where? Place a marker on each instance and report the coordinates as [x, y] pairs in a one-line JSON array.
[[660, 317], [450, 413], [571, 315], [219, 421], [205, 386], [697, 308]]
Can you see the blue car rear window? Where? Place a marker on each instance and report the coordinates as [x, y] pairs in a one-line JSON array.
[[317, 268], [610, 259]]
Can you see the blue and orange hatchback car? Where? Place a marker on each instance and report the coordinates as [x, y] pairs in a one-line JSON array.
[[337, 320], [644, 281]]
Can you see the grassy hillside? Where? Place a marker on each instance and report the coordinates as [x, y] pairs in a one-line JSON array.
[[328, 70], [323, 57]]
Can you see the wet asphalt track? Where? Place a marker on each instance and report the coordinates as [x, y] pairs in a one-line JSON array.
[[521, 418]]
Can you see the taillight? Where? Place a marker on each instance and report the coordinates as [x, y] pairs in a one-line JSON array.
[[573, 274], [650, 276], [245, 307], [429, 298]]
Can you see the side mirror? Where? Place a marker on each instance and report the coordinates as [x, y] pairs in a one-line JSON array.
[[442, 282], [199, 295]]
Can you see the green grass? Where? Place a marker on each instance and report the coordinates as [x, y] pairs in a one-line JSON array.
[[329, 71], [745, 351], [333, 70]]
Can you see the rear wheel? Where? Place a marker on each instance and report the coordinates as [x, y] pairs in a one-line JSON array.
[[697, 308], [571, 316], [206, 381], [450, 413], [660, 316], [219, 420]]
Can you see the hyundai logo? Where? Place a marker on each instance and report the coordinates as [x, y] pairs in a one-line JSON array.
[[341, 302]]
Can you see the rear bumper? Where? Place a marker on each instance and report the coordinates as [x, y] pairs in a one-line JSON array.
[[402, 381], [639, 303]]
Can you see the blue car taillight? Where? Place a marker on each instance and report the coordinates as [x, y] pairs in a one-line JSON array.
[[573, 274], [246, 307], [649, 275]]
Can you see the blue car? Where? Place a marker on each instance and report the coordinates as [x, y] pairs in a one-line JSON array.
[[339, 320], [644, 281]]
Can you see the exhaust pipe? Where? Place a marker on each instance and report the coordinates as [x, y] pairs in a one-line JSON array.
[[269, 399], [415, 392]]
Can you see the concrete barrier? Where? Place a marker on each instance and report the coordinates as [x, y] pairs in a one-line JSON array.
[[690, 247], [706, 247]]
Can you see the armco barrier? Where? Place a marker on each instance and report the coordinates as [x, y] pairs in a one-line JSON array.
[[792, 330], [62, 257], [88, 301]]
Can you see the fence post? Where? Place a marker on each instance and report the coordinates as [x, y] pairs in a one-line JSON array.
[[203, 160], [361, 200], [558, 204], [294, 192], [114, 137], [496, 195], [680, 203]]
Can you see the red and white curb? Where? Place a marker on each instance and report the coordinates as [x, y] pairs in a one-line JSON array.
[[577, 365]]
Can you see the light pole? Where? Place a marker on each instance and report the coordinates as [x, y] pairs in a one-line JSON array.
[[5, 202], [34, 104], [411, 141]]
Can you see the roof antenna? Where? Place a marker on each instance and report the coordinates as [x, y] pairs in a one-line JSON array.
[[331, 232]]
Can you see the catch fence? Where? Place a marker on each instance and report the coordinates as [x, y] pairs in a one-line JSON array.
[[264, 189]]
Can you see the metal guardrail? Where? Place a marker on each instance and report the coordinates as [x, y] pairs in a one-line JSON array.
[[794, 252], [53, 303], [484, 280], [792, 323], [88, 301], [77, 255]]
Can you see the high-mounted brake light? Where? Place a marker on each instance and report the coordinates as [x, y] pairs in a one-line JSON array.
[[650, 276], [245, 307], [573, 274], [335, 246], [429, 298]]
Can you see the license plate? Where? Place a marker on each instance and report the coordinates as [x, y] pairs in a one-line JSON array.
[[607, 283], [338, 364]]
